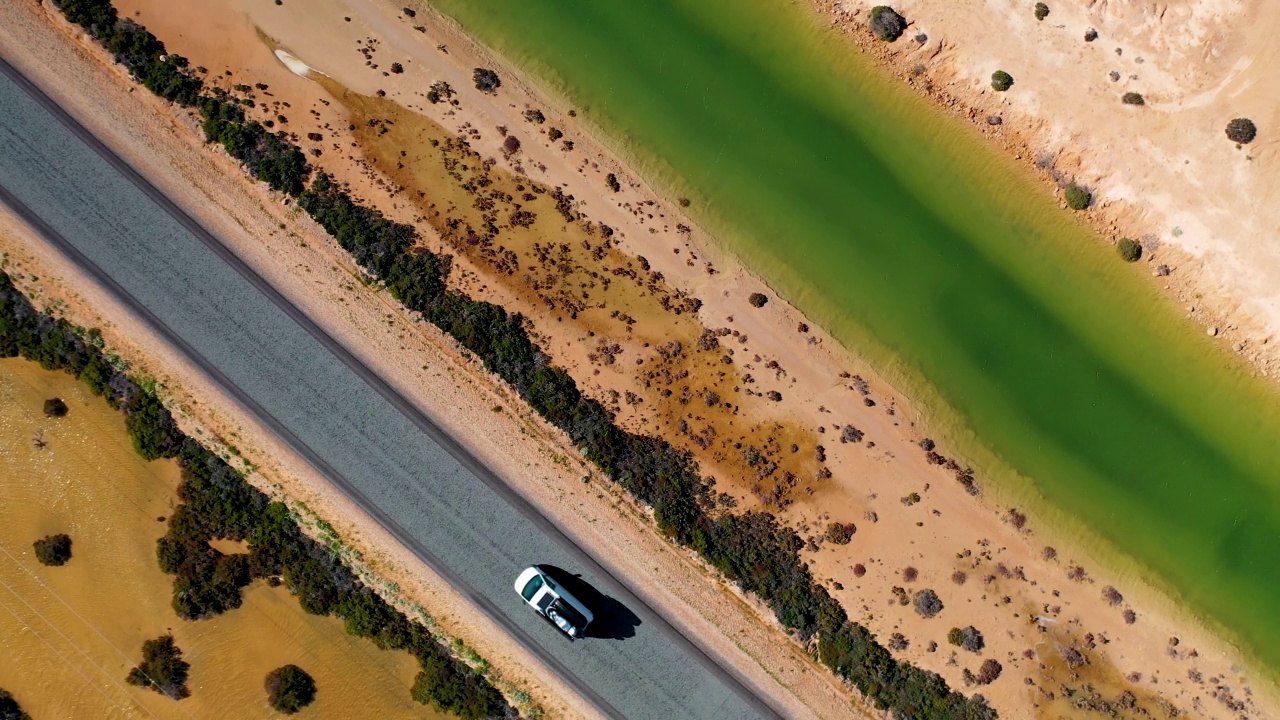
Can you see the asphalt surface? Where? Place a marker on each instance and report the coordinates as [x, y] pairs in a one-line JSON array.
[[391, 459]]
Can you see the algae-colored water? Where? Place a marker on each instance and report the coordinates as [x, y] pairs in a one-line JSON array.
[[1046, 357], [71, 633]]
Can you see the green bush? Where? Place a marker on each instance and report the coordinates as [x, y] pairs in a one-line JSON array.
[[886, 23], [1078, 198], [55, 407], [162, 668], [1001, 80], [1042, 11], [1129, 249], [757, 299], [53, 550], [1133, 98], [1241, 131], [289, 689]]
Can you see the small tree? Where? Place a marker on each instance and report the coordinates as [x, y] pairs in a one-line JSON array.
[[55, 407], [1241, 131], [511, 145], [1133, 98], [1077, 197], [758, 299], [290, 688], [1001, 80], [487, 81], [162, 668], [1042, 11], [53, 550], [1130, 250], [886, 23], [927, 603]]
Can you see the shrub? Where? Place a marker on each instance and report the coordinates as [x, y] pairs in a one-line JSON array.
[[1130, 617], [55, 407], [289, 689], [989, 671], [758, 299], [9, 708], [534, 116], [886, 23], [969, 638], [1042, 11], [1001, 80], [487, 81], [1129, 249], [1133, 98], [53, 550], [1241, 131], [909, 574], [927, 603], [511, 145], [840, 533], [611, 181], [1078, 198], [397, 68], [162, 668], [439, 91], [554, 134], [1112, 596]]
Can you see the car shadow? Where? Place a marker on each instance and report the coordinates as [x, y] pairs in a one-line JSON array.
[[613, 620]]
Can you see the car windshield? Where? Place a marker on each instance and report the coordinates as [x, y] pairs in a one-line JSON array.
[[534, 583]]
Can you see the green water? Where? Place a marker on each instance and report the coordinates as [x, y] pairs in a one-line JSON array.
[[916, 244]]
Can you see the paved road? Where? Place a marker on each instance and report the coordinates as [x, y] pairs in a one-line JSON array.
[[428, 491]]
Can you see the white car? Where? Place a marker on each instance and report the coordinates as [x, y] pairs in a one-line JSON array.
[[554, 602]]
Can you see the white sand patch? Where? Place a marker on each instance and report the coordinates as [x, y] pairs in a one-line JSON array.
[[296, 66]]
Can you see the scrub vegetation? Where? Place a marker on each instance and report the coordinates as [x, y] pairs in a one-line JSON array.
[[1001, 81], [10, 709], [886, 23], [1241, 131], [162, 668], [1129, 249], [290, 688], [53, 550], [753, 549], [217, 503], [1078, 198]]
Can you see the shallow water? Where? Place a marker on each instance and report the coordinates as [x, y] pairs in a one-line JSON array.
[[1041, 354], [72, 633]]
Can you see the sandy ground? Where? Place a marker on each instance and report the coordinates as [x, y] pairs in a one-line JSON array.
[[1164, 173], [915, 526]]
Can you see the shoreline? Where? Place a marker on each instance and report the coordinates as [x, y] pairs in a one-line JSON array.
[[1195, 281], [590, 210]]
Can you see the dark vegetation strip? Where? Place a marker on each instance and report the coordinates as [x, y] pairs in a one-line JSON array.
[[752, 549], [10, 709], [217, 503]]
